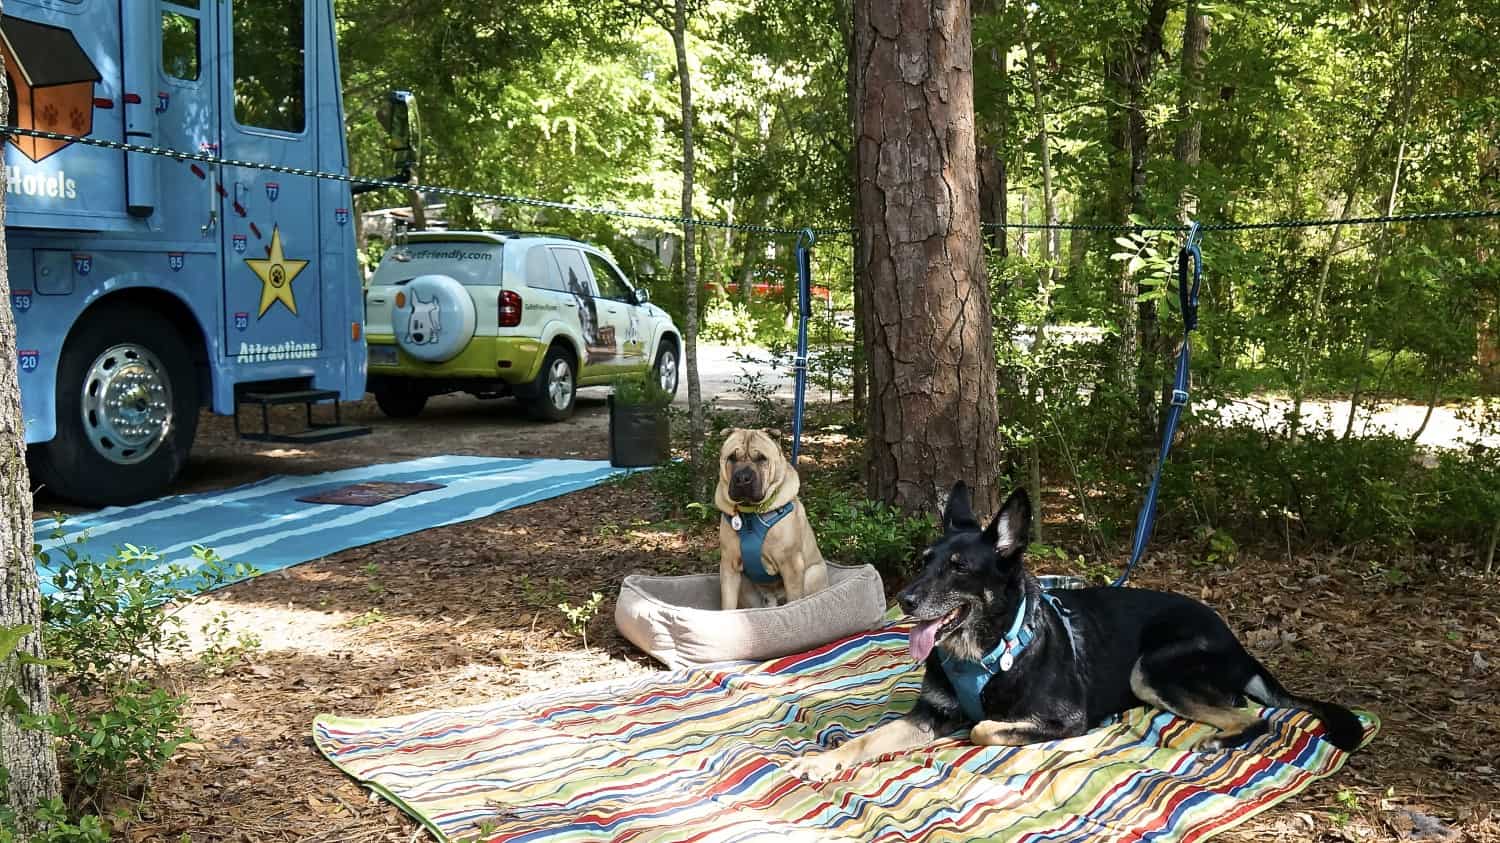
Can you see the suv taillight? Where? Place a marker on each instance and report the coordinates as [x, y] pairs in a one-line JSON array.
[[510, 309]]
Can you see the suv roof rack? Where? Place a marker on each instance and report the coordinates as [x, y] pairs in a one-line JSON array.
[[514, 232]]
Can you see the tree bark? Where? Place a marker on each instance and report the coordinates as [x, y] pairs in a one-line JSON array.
[[27, 756], [1188, 150], [1315, 315], [678, 30], [1128, 75], [993, 178], [1489, 326], [1374, 292], [860, 374], [928, 335]]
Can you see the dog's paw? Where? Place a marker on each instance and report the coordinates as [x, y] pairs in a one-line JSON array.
[[1212, 745], [816, 767]]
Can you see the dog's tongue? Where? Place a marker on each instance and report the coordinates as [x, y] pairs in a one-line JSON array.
[[923, 636]]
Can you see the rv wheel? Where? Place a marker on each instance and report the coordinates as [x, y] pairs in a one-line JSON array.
[[127, 409]]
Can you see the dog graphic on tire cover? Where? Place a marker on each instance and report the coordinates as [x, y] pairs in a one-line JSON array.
[[424, 326]]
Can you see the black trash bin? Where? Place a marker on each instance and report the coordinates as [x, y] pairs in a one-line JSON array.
[[639, 434]]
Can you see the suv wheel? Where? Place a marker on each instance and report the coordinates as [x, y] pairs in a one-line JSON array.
[[400, 400], [556, 386], [665, 370]]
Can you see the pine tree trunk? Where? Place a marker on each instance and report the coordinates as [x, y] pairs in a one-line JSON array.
[[1489, 324], [27, 756], [861, 405], [928, 335], [1048, 281], [1129, 74], [1188, 150], [1315, 315], [678, 30], [993, 178]]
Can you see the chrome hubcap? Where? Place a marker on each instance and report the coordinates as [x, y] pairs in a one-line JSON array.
[[668, 372], [560, 384], [127, 404]]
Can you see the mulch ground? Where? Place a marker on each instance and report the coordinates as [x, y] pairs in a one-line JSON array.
[[465, 613]]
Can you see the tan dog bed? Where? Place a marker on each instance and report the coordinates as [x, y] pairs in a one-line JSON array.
[[677, 620]]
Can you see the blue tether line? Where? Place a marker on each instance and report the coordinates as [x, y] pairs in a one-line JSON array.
[[1187, 296], [805, 241]]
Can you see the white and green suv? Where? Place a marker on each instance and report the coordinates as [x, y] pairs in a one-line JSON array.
[[531, 315]]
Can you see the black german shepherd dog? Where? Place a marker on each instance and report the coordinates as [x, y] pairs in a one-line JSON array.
[[1016, 665]]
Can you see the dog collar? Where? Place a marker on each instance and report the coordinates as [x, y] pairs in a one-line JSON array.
[[752, 529], [968, 677]]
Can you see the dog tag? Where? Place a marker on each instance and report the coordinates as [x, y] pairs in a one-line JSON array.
[[735, 521], [1007, 661]]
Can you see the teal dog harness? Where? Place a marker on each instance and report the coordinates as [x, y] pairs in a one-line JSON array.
[[968, 678], [752, 530]]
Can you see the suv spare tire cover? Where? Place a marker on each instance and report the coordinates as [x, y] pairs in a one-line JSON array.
[[437, 320]]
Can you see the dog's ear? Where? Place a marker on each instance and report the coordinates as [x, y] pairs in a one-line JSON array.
[[773, 433], [1010, 530], [958, 511]]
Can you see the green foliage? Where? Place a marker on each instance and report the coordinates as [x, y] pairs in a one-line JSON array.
[[855, 530], [129, 736], [114, 617], [579, 616], [753, 385], [643, 391], [541, 594], [54, 818], [674, 489], [225, 648]]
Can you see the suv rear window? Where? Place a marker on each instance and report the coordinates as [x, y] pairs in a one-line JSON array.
[[469, 263], [541, 271]]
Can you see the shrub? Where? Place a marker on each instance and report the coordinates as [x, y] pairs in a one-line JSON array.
[[858, 531], [130, 736], [640, 391], [116, 619]]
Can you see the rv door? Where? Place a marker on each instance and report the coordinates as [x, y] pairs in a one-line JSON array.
[[273, 291]]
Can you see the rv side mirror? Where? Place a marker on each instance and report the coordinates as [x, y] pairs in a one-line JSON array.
[[403, 129]]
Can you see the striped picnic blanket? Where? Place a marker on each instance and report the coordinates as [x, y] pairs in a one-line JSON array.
[[697, 755]]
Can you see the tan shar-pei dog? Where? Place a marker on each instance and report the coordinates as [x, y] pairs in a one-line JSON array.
[[768, 553]]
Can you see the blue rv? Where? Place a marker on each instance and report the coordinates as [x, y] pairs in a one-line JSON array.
[[145, 288]]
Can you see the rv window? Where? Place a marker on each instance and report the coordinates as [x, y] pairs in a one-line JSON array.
[[179, 45], [270, 64]]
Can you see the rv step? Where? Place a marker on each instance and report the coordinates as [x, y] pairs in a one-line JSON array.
[[301, 396], [312, 432], [311, 435]]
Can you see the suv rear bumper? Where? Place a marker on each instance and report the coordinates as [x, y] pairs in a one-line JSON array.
[[512, 360]]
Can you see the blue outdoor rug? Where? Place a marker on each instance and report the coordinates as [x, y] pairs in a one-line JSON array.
[[265, 525]]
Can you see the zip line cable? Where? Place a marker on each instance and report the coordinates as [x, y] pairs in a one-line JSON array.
[[527, 201], [503, 198]]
